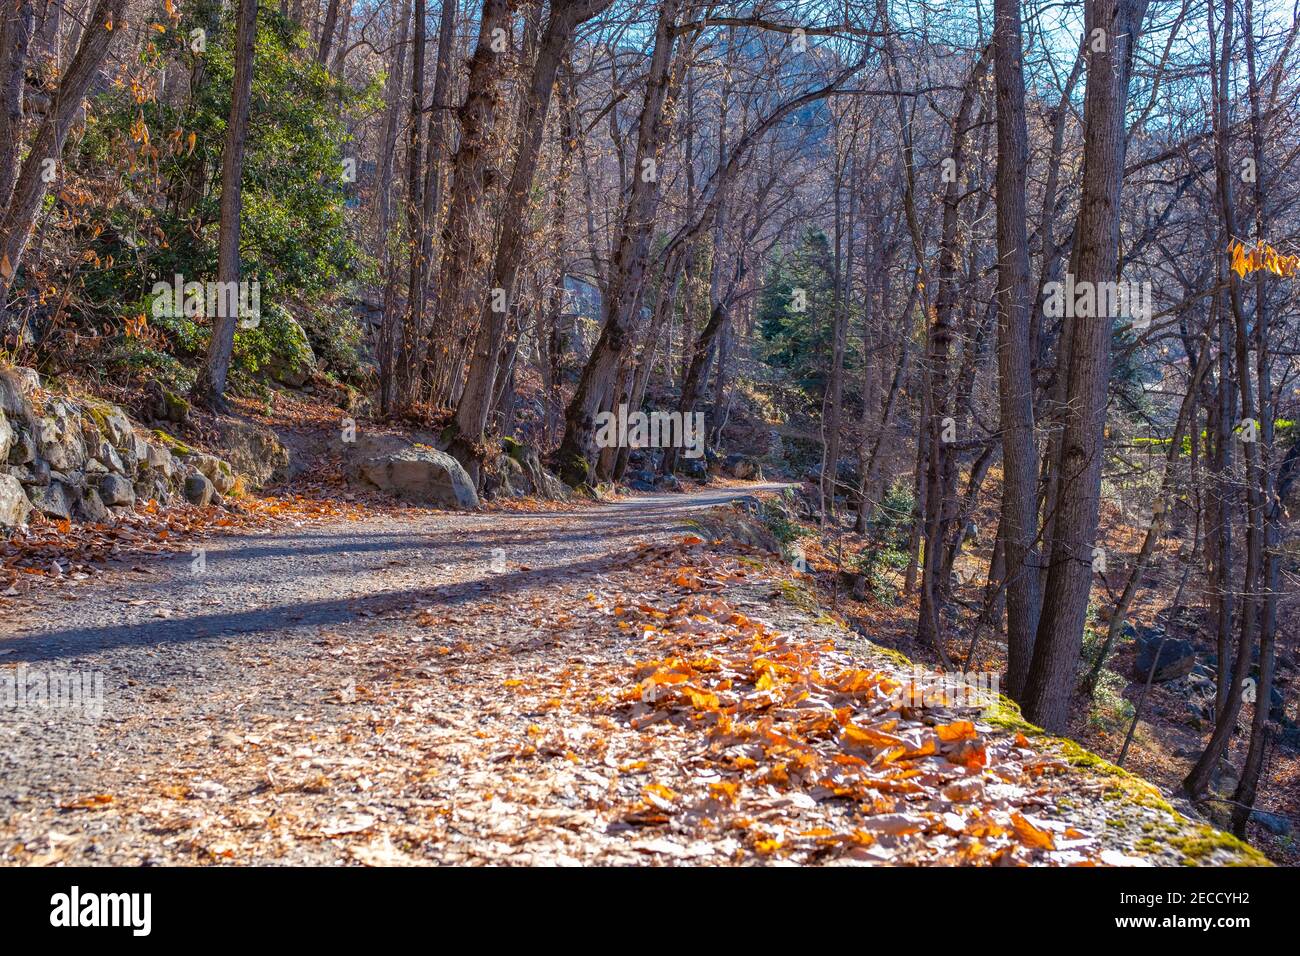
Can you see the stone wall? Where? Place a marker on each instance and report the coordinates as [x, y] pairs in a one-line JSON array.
[[82, 460]]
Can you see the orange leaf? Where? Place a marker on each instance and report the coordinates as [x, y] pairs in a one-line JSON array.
[[957, 730], [1031, 835]]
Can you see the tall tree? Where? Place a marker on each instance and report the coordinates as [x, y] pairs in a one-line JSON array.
[[467, 436], [1015, 383], [210, 386], [1113, 28]]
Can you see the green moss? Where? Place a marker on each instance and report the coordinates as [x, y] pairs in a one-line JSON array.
[[798, 595], [513, 448], [1200, 845], [1004, 714], [100, 413], [173, 445], [897, 657]]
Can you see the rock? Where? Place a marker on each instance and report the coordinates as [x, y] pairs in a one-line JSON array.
[[14, 504], [1274, 823], [215, 470], [713, 462], [417, 474], [164, 405], [22, 449], [55, 500], [695, 468], [116, 491], [636, 484], [199, 490], [1177, 657], [60, 440], [150, 487], [36, 472], [743, 467], [1276, 706], [158, 459], [1225, 777], [668, 483], [540, 481], [6, 436], [252, 451], [106, 456], [91, 507], [114, 424], [17, 388]]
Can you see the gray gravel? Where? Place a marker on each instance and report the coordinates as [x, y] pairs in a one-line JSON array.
[[188, 654]]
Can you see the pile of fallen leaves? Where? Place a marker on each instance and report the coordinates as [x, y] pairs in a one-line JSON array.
[[808, 754]]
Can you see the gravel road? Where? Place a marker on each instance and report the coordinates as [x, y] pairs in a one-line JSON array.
[[179, 655]]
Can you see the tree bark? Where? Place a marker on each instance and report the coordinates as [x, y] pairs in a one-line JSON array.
[[210, 386], [1065, 601], [1015, 382], [629, 262]]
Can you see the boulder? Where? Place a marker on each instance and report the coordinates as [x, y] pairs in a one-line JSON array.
[[1274, 823], [116, 491], [91, 507], [60, 439], [55, 500], [668, 483], [164, 405], [22, 449], [6, 436], [414, 473], [215, 470], [743, 467], [252, 451], [713, 461], [695, 468], [1176, 657], [14, 505], [198, 490]]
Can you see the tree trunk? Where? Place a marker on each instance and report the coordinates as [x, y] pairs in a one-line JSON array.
[[30, 187], [15, 38], [1065, 601], [210, 386], [941, 473], [629, 262], [467, 438], [1015, 383]]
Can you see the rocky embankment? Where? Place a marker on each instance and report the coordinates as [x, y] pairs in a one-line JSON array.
[[78, 459]]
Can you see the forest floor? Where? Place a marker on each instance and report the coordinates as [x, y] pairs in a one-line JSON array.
[[592, 684]]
